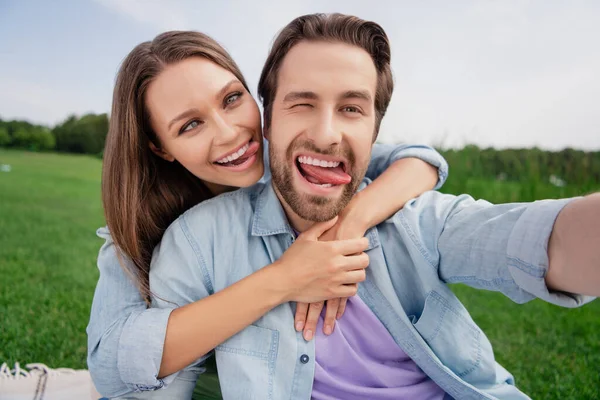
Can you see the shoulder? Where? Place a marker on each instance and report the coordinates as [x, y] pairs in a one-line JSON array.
[[219, 216], [234, 204]]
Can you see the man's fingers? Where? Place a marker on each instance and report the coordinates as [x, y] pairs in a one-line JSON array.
[[341, 308], [300, 319], [330, 314], [314, 310]]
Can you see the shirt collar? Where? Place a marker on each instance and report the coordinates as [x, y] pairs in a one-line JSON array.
[[269, 216], [270, 219]]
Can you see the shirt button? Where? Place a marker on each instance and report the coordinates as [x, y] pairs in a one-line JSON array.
[[304, 358]]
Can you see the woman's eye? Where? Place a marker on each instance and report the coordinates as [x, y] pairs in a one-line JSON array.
[[192, 125], [232, 98]]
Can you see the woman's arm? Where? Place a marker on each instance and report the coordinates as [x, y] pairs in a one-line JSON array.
[[383, 156], [130, 346], [399, 173], [117, 330]]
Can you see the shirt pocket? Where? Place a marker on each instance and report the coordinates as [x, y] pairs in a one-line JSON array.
[[454, 337], [246, 363]]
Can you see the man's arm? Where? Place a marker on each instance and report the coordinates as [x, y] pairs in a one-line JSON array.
[[574, 248], [500, 247]]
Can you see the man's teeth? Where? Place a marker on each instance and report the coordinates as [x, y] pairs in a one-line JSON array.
[[235, 155], [318, 163]]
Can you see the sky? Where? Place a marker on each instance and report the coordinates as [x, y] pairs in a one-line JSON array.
[[501, 73]]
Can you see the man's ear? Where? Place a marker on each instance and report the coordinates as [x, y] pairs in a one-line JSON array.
[[266, 130], [161, 153]]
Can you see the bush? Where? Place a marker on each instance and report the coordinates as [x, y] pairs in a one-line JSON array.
[[4, 137], [34, 139], [82, 135]]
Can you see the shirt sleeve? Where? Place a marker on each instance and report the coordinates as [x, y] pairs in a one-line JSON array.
[[384, 155], [125, 338], [500, 247]]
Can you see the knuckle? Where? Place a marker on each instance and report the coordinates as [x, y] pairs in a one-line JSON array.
[[363, 276], [364, 260], [333, 302], [332, 267], [331, 292], [329, 246]]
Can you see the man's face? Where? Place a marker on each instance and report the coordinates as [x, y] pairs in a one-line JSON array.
[[322, 127]]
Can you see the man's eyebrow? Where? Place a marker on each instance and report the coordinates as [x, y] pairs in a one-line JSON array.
[[293, 96], [357, 94]]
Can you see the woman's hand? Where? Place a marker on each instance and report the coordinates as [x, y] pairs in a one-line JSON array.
[[307, 315], [312, 270]]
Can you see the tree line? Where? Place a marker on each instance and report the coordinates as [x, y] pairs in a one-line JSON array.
[[83, 135]]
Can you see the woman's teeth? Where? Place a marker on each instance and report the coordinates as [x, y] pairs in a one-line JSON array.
[[235, 155]]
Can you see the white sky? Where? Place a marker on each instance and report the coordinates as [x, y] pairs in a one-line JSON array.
[[504, 73]]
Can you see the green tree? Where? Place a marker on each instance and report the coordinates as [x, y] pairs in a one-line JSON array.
[[82, 135], [34, 138], [4, 137]]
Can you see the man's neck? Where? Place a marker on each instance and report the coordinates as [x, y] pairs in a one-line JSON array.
[[298, 223]]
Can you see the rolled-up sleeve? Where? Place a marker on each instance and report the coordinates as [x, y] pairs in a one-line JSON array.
[[527, 253], [125, 339], [384, 155], [502, 247]]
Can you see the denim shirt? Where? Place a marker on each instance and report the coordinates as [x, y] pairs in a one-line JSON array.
[[434, 240], [126, 339]]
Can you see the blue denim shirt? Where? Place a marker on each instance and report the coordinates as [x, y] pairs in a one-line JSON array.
[[125, 339], [434, 240]]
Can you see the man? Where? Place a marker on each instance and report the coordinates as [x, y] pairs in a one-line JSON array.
[[325, 88]]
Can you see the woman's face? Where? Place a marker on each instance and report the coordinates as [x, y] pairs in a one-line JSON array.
[[206, 120]]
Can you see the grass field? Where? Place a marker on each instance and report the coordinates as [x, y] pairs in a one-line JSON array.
[[50, 208]]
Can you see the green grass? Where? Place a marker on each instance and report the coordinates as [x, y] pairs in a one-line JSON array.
[[553, 352], [50, 208]]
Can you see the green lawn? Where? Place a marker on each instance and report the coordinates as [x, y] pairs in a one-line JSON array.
[[50, 208]]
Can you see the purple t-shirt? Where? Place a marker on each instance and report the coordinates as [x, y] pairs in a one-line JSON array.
[[360, 360]]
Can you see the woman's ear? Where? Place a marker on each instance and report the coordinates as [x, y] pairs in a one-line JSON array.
[[161, 153]]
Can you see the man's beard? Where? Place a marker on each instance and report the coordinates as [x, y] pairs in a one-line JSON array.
[[310, 207]]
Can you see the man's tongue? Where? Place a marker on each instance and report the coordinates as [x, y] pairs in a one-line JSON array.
[[324, 175]]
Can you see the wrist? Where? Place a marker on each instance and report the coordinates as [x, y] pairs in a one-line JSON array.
[[276, 284], [358, 214]]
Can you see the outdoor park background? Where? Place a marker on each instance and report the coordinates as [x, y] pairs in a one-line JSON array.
[[50, 155]]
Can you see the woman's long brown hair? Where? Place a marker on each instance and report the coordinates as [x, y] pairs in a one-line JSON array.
[[141, 192]]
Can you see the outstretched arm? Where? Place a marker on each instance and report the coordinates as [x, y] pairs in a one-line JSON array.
[[574, 248]]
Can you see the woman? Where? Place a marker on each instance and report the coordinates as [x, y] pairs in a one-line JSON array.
[[184, 128]]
